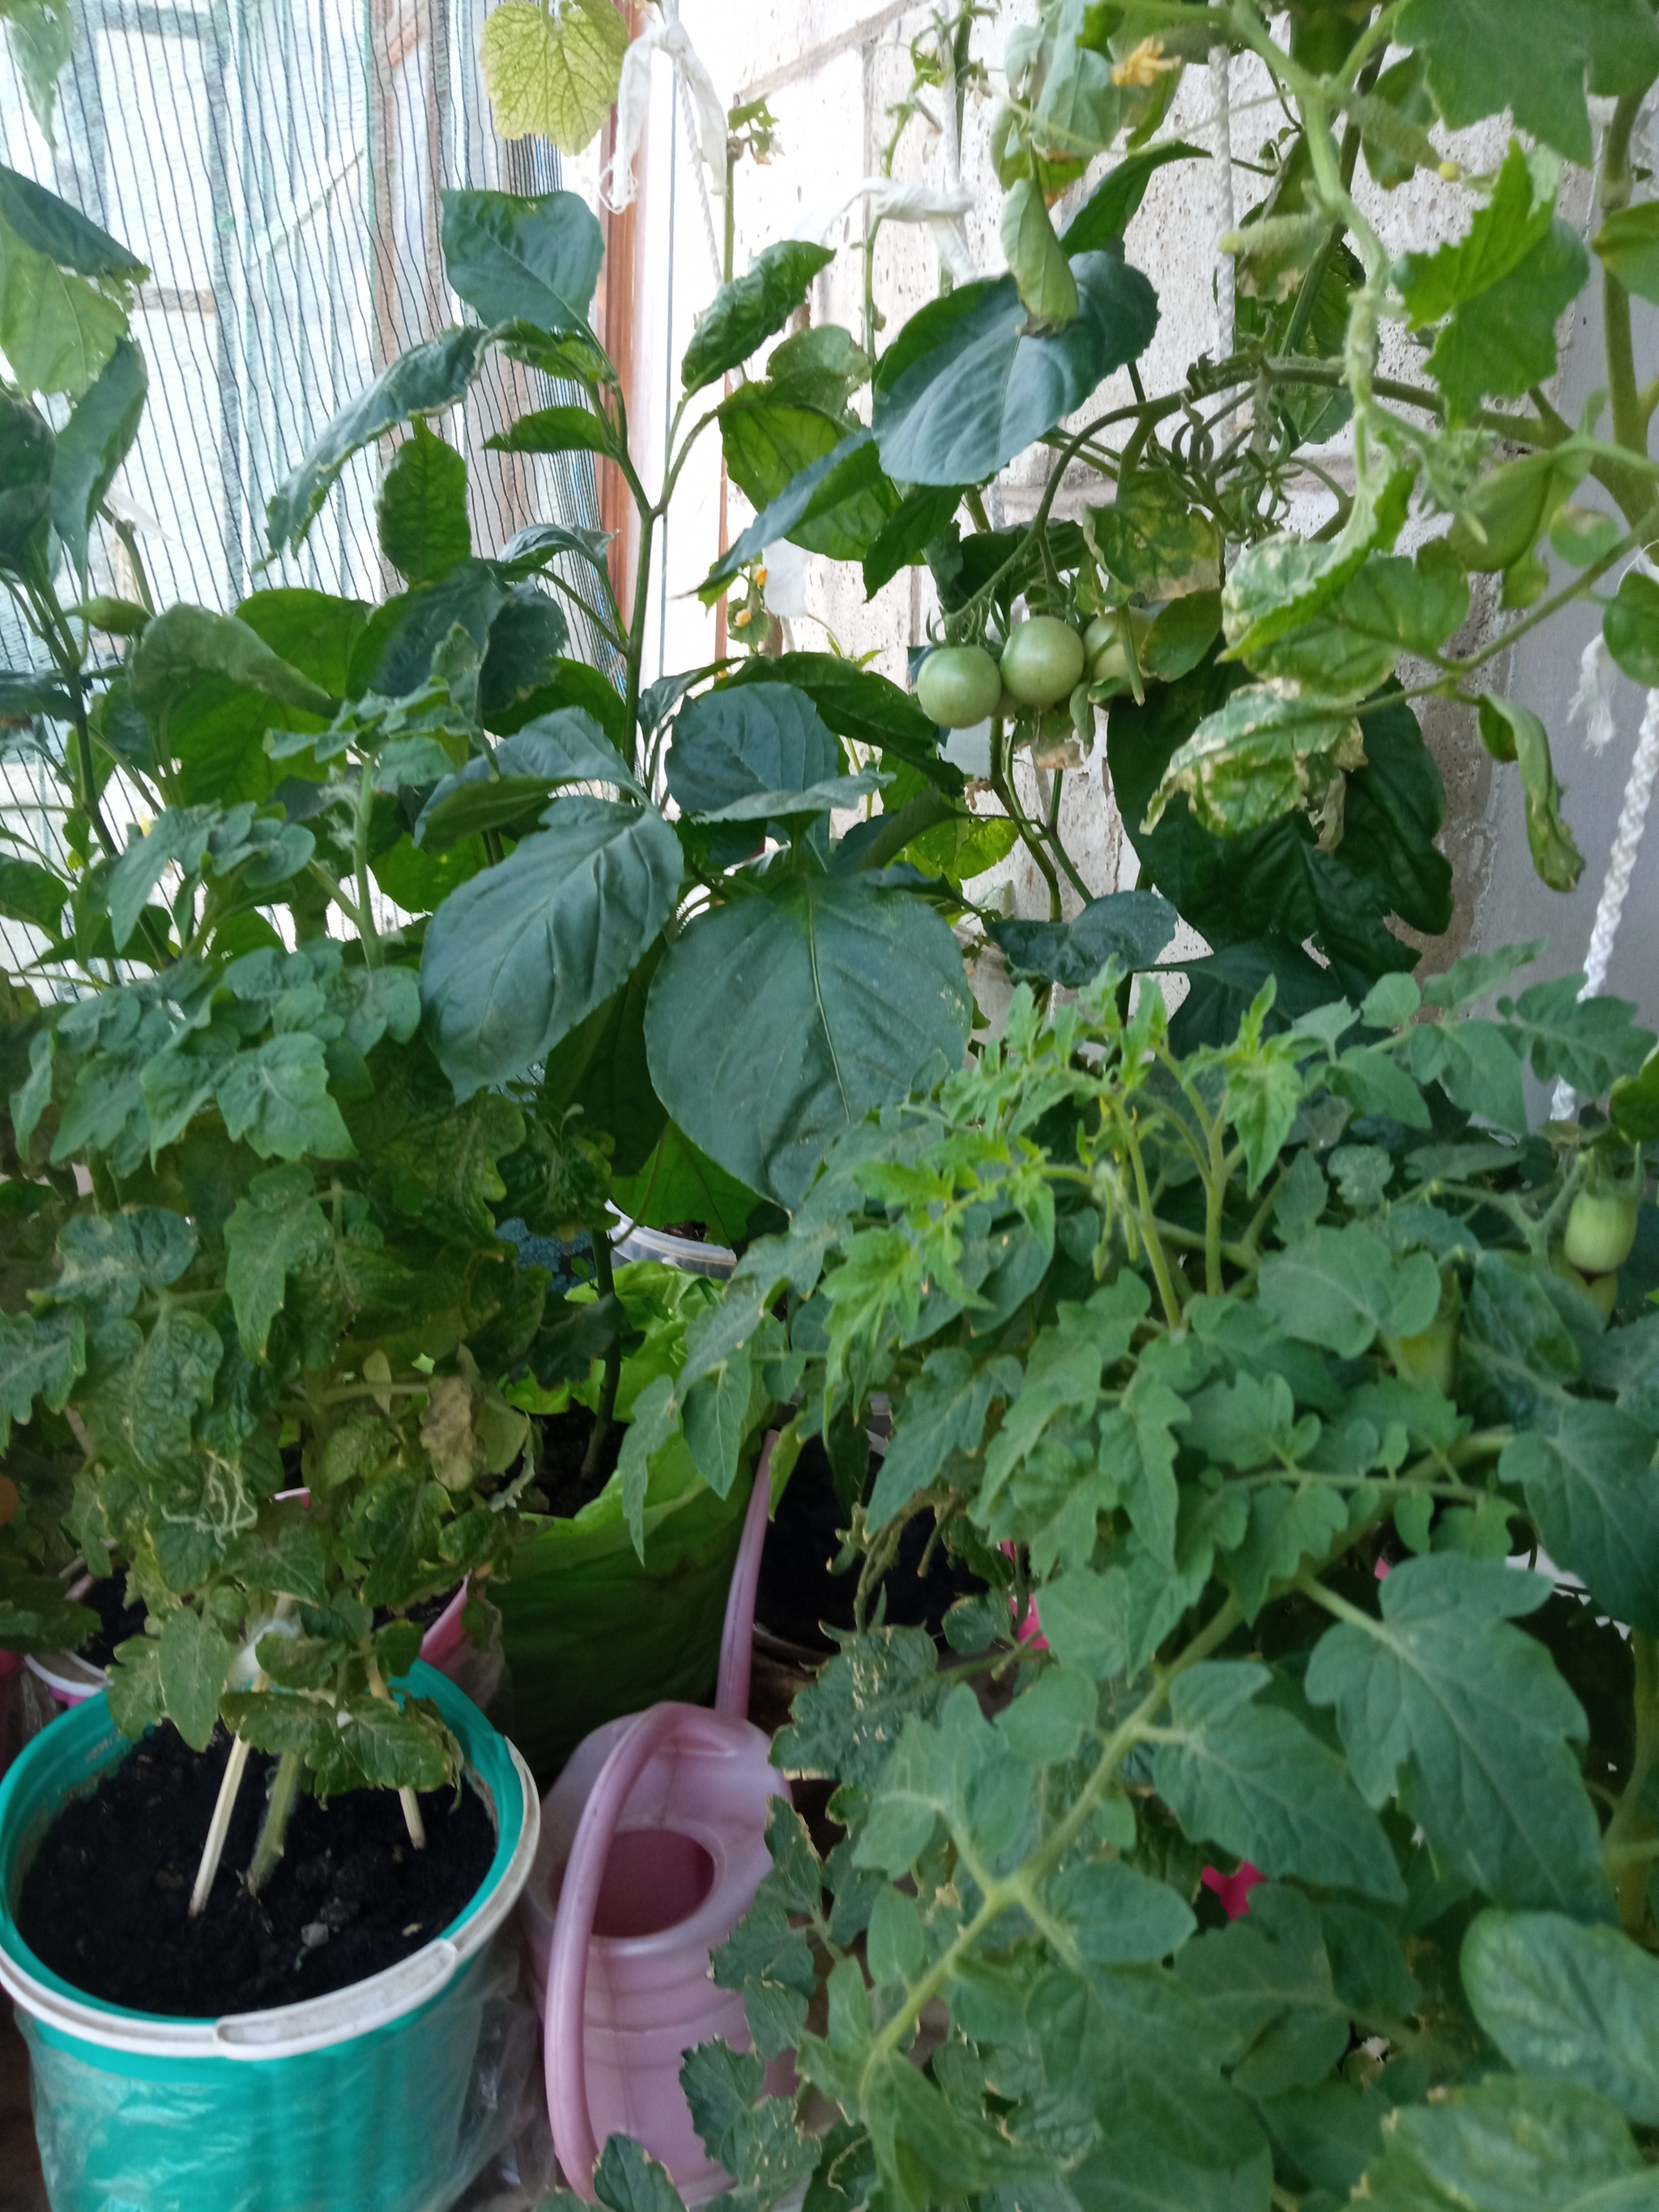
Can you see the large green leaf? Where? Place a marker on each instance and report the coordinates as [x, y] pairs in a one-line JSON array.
[[1511, 2145], [57, 330], [1131, 926], [1115, 200], [422, 509], [516, 958], [1343, 1288], [552, 72], [857, 703], [1559, 1998], [277, 1226], [524, 260], [729, 744], [777, 1020], [1593, 1489], [276, 1097], [62, 233], [1475, 1714], [428, 379], [1497, 294], [850, 472], [601, 1068], [38, 1359], [195, 1667], [186, 644], [961, 390], [1250, 1778], [1531, 57], [1392, 606], [745, 312], [93, 444], [511, 786], [395, 653], [1262, 754]]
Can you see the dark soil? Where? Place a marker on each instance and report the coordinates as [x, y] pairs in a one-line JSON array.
[[564, 1442], [423, 1612], [106, 1903], [798, 1591], [696, 1231], [118, 1620]]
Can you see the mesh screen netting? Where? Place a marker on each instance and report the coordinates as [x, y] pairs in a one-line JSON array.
[[278, 165]]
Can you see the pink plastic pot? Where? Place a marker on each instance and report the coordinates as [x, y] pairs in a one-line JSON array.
[[654, 1843]]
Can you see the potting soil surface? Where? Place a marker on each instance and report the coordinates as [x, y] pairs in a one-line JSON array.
[[106, 1902], [117, 1619], [564, 1446]]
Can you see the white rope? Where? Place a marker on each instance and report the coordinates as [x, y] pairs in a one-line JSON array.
[[616, 186], [1592, 702], [1221, 146], [892, 199], [1621, 864]]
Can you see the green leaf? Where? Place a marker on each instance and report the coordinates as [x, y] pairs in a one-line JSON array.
[[107, 1259], [1587, 1042], [422, 509], [425, 381], [1514, 732], [846, 1721], [1037, 261], [1151, 540], [1511, 2145], [943, 1411], [1628, 246], [526, 260], [1593, 1489], [31, 894], [195, 1667], [1251, 1778], [1475, 1714], [956, 1770], [1115, 200], [554, 430], [93, 444], [676, 1182], [656, 1420], [1258, 757], [1498, 292], [186, 644], [513, 785], [62, 232], [961, 390], [1630, 625], [1266, 1984], [395, 1750], [1118, 1918], [553, 73], [1343, 1287], [1284, 582], [778, 1020], [516, 958], [57, 329], [745, 312], [1531, 57], [38, 1359], [276, 1097], [857, 703], [1392, 606], [1578, 2004], [730, 743], [277, 1227]]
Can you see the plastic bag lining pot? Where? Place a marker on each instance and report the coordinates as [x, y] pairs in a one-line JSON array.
[[591, 1631], [384, 2097]]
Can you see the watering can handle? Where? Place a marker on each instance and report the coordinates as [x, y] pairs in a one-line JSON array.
[[738, 1636], [573, 1929]]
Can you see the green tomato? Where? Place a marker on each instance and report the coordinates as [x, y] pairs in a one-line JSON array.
[[1601, 1290], [958, 686], [1600, 1232], [1432, 1356], [1042, 661], [1102, 646]]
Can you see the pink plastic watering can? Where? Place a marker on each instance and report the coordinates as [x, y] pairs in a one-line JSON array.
[[652, 1845]]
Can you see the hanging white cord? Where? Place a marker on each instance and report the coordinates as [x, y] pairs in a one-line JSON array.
[[1621, 864], [716, 258], [1221, 146]]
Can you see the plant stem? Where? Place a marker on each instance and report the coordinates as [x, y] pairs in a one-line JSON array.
[[605, 1415], [1629, 430], [219, 1826], [273, 1830], [367, 930]]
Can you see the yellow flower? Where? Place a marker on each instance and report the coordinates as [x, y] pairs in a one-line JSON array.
[[1145, 65], [742, 619]]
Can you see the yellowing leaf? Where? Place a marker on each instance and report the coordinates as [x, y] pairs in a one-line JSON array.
[[553, 71]]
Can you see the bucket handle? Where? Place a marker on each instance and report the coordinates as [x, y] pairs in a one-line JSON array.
[[573, 1929], [738, 1636]]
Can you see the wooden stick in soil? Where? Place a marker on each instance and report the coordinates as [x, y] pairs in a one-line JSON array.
[[406, 1797], [225, 1804], [273, 1829]]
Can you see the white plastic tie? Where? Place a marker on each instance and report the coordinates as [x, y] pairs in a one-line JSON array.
[[1621, 866], [618, 186], [893, 199], [1592, 702]]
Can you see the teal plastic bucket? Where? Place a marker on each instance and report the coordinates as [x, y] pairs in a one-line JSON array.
[[385, 2097]]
